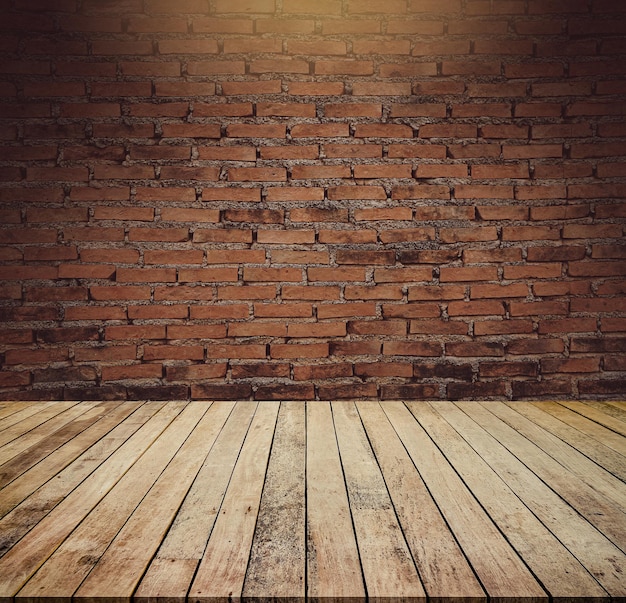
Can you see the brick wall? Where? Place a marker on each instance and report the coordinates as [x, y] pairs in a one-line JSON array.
[[312, 199]]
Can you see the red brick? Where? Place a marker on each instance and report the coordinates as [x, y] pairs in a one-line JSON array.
[[502, 327], [228, 391], [436, 292], [346, 310], [377, 327], [237, 351], [119, 292], [475, 349], [383, 213], [476, 308], [207, 275], [285, 109], [317, 293], [336, 274], [355, 348], [479, 273], [508, 369], [256, 131], [351, 391], [410, 310], [299, 350], [134, 332], [411, 348], [286, 237], [357, 292], [399, 235], [309, 372]]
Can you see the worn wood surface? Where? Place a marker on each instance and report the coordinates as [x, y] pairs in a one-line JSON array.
[[335, 501]]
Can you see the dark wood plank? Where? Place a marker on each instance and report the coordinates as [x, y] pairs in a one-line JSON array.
[[277, 565], [222, 571]]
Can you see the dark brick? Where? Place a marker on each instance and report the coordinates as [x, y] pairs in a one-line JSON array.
[[539, 389], [158, 392], [476, 391], [221, 391], [285, 392], [411, 391]]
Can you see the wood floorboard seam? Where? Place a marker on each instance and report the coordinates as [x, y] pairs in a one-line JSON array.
[[343, 501]]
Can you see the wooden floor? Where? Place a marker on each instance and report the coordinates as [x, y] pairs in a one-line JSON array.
[[201, 501]]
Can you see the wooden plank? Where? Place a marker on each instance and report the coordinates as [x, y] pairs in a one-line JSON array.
[[54, 464], [443, 568], [605, 562], [499, 568], [23, 427], [42, 433], [277, 565], [557, 569], [68, 566], [10, 408], [19, 412], [590, 428], [25, 558], [222, 570], [184, 544], [603, 513], [388, 568], [333, 567], [48, 443], [602, 455], [120, 568], [613, 409], [587, 471], [599, 416]]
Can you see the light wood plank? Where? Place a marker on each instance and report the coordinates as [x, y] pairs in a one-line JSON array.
[[69, 565], [605, 562], [21, 411], [120, 568], [50, 442], [388, 568], [587, 471], [42, 433], [10, 408], [222, 570], [602, 455], [333, 567], [614, 409], [590, 428], [608, 517], [443, 568], [557, 569], [55, 464], [277, 565], [22, 428], [184, 544], [499, 568], [599, 416], [25, 558]]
